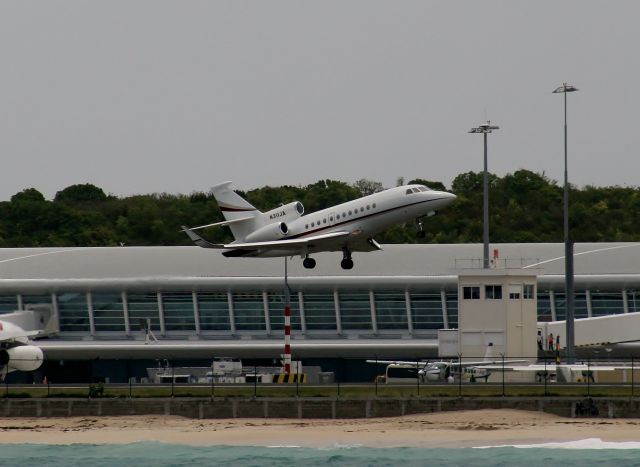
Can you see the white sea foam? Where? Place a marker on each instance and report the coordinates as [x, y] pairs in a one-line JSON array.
[[284, 446], [340, 446], [581, 444]]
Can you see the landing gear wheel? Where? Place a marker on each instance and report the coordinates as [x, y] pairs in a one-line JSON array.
[[346, 263], [309, 263], [420, 228]]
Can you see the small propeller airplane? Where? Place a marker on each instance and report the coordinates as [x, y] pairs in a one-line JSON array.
[[443, 371], [347, 227], [447, 371]]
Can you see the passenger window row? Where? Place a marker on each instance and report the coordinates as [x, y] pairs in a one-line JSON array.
[[344, 214]]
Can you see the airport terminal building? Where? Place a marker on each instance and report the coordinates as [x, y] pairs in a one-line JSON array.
[[201, 304]]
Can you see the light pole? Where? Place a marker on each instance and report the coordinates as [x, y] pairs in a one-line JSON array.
[[485, 129], [568, 244]]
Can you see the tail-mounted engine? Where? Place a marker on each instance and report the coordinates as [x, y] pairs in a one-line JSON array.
[[275, 227], [21, 358], [288, 212], [270, 232]]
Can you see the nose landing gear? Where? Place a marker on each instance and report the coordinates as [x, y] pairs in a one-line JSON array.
[[420, 227]]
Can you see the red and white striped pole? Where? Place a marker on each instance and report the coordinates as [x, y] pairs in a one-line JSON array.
[[287, 322], [287, 338]]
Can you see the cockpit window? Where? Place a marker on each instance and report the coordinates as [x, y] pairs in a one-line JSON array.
[[415, 190], [424, 188], [409, 191]]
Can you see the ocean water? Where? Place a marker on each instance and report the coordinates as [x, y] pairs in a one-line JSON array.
[[149, 454]]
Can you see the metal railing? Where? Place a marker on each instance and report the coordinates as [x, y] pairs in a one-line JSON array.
[[548, 376], [495, 263]]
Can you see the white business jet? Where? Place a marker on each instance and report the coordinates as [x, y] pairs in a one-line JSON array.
[[347, 227], [16, 350]]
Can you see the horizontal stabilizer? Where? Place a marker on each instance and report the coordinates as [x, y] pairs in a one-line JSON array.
[[198, 240], [217, 224]]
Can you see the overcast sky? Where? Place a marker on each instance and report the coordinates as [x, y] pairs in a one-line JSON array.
[[158, 96]]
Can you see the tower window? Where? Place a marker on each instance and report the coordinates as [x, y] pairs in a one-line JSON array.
[[493, 292], [471, 292]]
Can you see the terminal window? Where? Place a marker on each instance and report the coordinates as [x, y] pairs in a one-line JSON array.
[[528, 291], [471, 292], [493, 292]]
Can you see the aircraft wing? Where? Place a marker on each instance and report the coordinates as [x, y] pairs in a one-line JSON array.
[[364, 245], [398, 362], [313, 241], [310, 242], [484, 363], [553, 367]]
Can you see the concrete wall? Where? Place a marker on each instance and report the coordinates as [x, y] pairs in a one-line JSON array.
[[621, 407]]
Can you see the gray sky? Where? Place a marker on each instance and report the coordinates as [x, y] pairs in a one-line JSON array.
[[158, 96]]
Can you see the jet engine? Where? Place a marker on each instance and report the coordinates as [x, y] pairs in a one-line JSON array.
[[22, 358], [288, 212], [269, 232]]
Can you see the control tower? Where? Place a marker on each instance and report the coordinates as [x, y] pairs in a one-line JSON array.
[[498, 307]]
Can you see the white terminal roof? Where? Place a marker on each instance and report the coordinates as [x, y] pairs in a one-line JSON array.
[[615, 263], [25, 270]]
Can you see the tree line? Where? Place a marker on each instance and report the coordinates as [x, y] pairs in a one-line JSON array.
[[524, 207]]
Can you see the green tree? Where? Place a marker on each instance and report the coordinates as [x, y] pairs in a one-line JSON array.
[[524, 207], [29, 195], [81, 193], [367, 187]]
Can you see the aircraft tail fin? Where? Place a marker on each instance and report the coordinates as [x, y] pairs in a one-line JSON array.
[[235, 208], [488, 354]]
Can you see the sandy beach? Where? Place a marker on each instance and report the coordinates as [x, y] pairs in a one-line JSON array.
[[444, 429]]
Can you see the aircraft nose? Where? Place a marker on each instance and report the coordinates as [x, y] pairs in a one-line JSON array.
[[447, 197]]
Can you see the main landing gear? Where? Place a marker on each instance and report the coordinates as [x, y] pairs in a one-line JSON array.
[[347, 262], [420, 227], [309, 263]]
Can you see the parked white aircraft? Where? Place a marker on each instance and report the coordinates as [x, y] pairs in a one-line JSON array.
[[442, 371], [347, 227], [16, 351], [562, 372]]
